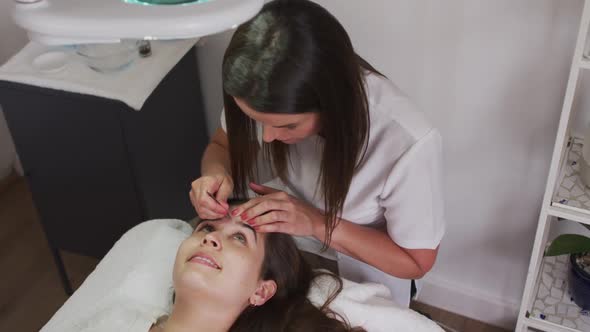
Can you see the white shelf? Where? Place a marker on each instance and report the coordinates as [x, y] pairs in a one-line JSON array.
[[585, 63], [552, 308], [569, 214], [546, 326], [571, 198], [565, 197]]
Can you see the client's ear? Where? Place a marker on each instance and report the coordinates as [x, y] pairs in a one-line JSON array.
[[265, 291]]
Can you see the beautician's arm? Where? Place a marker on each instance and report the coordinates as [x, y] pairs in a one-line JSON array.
[[216, 157], [376, 248], [215, 179]]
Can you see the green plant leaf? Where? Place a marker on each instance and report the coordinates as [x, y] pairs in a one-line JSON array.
[[568, 244]]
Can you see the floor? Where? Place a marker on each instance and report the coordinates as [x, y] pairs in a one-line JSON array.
[[31, 291]]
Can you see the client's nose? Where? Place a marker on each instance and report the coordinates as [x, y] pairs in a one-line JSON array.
[[212, 241]]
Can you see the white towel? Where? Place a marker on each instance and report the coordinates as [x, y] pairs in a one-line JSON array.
[[132, 85], [369, 305], [132, 287]]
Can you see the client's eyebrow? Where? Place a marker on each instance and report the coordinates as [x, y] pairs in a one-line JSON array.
[[250, 228], [287, 125], [240, 223]]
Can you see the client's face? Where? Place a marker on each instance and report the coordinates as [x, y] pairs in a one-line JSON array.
[[221, 259]]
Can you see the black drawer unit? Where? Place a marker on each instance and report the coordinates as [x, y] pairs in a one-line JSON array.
[[96, 167]]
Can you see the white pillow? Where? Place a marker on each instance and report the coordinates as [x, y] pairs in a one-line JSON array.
[[132, 287]]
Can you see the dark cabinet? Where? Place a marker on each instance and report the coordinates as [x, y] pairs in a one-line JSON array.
[[96, 168]]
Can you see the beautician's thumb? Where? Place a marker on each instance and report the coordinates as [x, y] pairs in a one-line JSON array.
[[262, 190], [223, 193]]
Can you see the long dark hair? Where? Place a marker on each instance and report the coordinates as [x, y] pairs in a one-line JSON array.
[[295, 57], [289, 310]]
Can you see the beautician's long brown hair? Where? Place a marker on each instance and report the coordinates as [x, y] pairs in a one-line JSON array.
[[295, 57]]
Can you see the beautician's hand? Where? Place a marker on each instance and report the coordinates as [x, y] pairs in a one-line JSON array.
[[219, 185], [278, 212]]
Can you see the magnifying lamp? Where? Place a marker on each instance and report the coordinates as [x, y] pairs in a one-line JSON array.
[[66, 22]]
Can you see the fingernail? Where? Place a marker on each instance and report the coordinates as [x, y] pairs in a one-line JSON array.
[[251, 222], [244, 216], [235, 212]]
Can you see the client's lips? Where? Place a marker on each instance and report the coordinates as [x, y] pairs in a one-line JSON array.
[[201, 258]]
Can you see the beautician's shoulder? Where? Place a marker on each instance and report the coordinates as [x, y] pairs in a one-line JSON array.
[[390, 109]]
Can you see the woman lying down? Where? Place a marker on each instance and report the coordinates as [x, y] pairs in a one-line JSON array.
[[227, 277], [222, 276]]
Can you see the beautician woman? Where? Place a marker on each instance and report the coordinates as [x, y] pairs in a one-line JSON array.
[[359, 165]]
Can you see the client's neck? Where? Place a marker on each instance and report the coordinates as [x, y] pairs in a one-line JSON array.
[[191, 316]]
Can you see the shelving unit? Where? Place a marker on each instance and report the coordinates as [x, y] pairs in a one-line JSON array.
[[546, 304], [570, 193], [552, 302]]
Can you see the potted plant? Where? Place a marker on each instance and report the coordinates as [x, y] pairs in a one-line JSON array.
[[578, 247]]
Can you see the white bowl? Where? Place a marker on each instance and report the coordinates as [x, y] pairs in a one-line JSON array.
[[108, 57], [51, 62]]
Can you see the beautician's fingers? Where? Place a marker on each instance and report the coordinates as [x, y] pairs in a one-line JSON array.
[[245, 206], [203, 203], [203, 212], [262, 190], [221, 187], [224, 191], [276, 227], [269, 218], [266, 206], [206, 203], [211, 188], [277, 195]]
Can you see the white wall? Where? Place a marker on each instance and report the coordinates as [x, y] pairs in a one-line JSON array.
[[491, 75], [210, 56], [12, 39]]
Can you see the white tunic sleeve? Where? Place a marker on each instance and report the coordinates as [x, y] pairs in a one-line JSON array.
[[412, 195]]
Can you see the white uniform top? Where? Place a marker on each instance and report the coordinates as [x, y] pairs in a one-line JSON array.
[[398, 185]]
